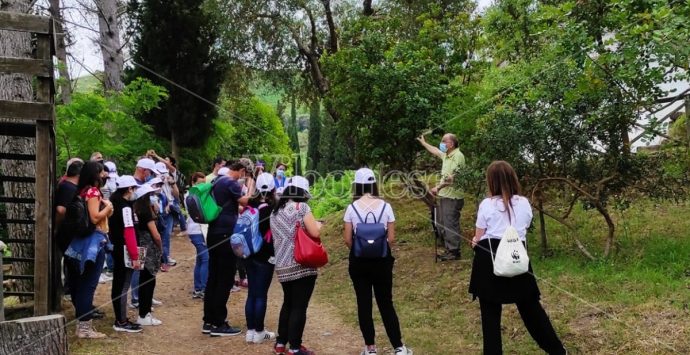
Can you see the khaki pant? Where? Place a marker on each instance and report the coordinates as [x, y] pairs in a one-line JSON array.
[[448, 220]]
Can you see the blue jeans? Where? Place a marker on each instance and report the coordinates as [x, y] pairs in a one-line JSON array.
[[259, 276], [166, 224], [135, 286], [201, 265], [83, 285], [176, 211], [109, 261]]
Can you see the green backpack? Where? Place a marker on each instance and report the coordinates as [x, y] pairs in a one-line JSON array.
[[201, 205]]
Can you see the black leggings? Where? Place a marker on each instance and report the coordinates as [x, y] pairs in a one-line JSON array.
[[122, 277], [535, 319], [377, 276], [293, 314], [147, 283]]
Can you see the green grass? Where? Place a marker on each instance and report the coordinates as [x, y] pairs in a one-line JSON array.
[[634, 302]]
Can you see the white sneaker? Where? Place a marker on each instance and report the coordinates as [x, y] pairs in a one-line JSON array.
[[403, 350], [368, 351], [260, 337], [156, 302], [104, 278], [249, 337], [149, 320]]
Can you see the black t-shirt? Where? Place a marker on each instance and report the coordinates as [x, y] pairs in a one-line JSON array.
[[267, 250], [226, 192], [142, 217], [64, 194], [116, 223]]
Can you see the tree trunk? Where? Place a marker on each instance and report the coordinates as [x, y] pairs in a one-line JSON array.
[[61, 52], [37, 335], [332, 29], [368, 9], [17, 87], [111, 49], [314, 135], [542, 229], [687, 120]]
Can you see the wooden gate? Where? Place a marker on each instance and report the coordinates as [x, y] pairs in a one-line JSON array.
[[34, 120]]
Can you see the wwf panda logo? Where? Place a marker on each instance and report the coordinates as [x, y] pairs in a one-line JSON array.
[[515, 255]]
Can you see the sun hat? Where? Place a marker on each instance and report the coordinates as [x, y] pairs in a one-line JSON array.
[[126, 181], [161, 168], [143, 190]]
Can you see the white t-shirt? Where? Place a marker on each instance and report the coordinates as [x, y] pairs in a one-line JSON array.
[[192, 227], [493, 217], [364, 207]]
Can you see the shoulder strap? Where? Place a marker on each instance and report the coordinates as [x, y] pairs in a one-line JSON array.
[[357, 213], [382, 209]]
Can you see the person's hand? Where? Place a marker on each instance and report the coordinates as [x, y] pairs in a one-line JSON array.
[[434, 190], [421, 139], [136, 265], [150, 153], [475, 241]]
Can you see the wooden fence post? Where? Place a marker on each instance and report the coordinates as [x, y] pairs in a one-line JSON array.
[[2, 292]]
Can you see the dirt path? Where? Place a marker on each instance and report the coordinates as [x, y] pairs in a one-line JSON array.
[[180, 333]]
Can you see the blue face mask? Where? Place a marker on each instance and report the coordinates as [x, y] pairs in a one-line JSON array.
[[148, 178], [280, 173], [442, 147]]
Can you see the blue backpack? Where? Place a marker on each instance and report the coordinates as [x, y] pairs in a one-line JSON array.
[[370, 240], [246, 239]]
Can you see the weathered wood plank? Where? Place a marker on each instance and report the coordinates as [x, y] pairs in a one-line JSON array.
[[30, 111], [42, 229], [38, 67], [36, 335], [13, 21], [2, 291]]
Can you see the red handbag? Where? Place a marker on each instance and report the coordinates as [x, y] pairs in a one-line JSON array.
[[309, 252]]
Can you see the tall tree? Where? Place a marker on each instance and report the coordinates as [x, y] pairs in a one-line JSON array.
[[313, 155], [175, 45], [293, 130], [111, 48], [61, 52], [17, 87]]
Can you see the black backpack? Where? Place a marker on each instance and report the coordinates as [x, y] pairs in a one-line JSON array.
[[77, 222], [370, 240]]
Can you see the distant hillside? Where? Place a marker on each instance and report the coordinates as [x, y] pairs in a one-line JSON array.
[[87, 83]]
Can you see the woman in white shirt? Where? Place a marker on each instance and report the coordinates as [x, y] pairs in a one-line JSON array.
[[505, 207], [375, 271]]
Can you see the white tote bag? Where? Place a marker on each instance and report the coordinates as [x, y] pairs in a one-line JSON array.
[[511, 256]]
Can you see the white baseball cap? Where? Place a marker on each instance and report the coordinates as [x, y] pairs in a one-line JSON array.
[[154, 181], [299, 182], [146, 163], [161, 168], [364, 176], [143, 190], [112, 169], [223, 171], [265, 182], [126, 181]]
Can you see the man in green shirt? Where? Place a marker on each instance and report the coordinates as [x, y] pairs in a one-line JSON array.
[[450, 195]]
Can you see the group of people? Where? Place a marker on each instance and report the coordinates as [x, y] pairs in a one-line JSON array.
[[127, 219], [131, 220]]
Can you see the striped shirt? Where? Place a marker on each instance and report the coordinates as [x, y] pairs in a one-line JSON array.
[[283, 225]]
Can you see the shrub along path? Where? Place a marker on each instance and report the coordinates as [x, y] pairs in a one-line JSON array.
[[181, 316]]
